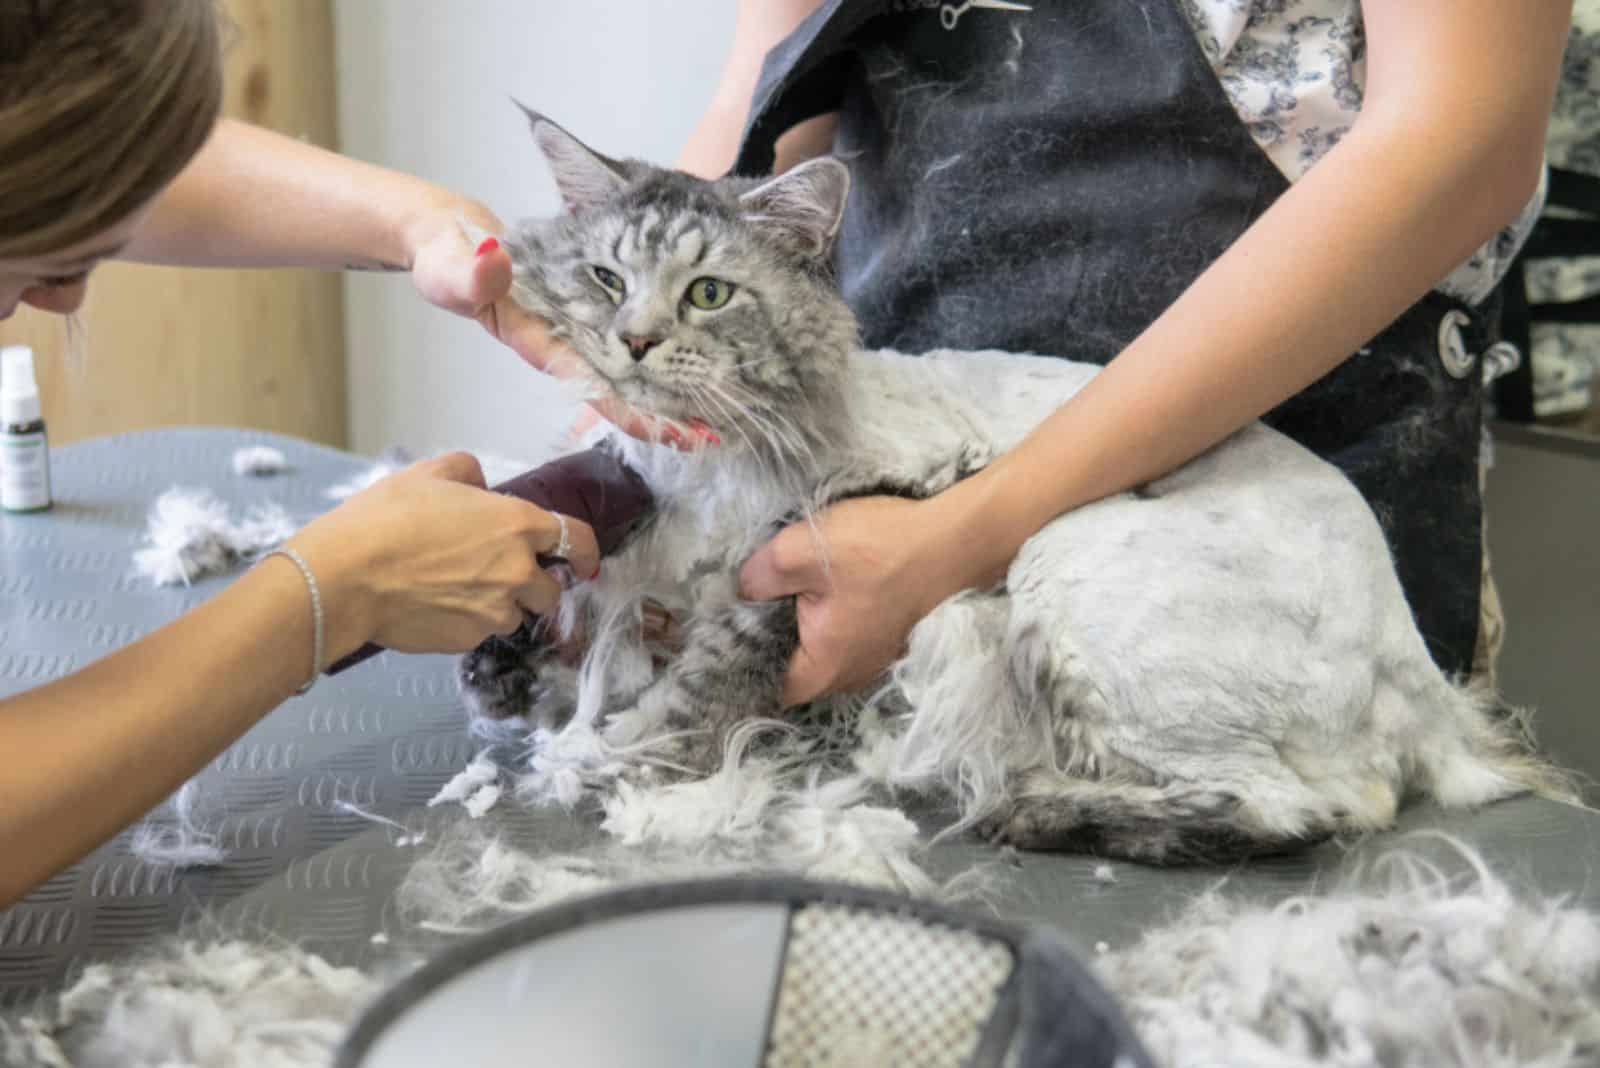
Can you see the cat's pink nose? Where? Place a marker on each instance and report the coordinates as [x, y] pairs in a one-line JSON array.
[[639, 346]]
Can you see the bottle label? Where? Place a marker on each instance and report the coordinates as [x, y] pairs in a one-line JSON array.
[[24, 472]]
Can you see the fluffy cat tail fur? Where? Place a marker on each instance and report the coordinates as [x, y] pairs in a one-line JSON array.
[[1485, 752]]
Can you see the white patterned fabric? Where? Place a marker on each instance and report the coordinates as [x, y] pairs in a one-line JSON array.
[[867, 989], [1295, 71], [1566, 357]]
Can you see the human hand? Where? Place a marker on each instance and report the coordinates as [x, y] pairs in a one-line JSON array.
[[427, 560], [857, 606], [475, 281]]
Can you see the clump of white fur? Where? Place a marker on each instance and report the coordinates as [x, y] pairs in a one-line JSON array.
[[181, 841], [259, 461], [473, 880], [190, 534], [476, 787], [761, 812], [191, 1005], [1417, 970]]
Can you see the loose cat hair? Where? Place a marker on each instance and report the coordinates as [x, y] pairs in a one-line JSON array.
[[1218, 664]]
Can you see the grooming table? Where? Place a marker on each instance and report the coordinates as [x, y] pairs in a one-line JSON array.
[[385, 736]]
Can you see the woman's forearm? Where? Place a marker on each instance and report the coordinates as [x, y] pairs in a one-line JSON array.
[[89, 754], [255, 198], [1293, 298], [758, 26]]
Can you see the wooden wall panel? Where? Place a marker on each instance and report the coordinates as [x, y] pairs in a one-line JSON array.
[[164, 346]]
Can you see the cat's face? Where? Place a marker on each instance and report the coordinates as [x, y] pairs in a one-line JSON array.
[[692, 299]]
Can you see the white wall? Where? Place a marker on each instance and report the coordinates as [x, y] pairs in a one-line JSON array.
[[425, 87]]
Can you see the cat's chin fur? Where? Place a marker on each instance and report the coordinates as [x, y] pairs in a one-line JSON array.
[[1219, 664]]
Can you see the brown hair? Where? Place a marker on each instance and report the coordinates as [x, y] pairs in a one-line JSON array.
[[102, 103]]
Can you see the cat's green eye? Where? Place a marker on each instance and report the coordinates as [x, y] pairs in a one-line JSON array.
[[609, 279], [709, 294]]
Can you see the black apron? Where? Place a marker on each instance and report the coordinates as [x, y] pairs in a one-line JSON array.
[[1052, 180]]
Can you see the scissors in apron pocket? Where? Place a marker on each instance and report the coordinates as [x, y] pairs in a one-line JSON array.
[[950, 14]]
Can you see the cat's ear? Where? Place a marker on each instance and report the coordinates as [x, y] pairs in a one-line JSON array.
[[583, 176], [803, 206]]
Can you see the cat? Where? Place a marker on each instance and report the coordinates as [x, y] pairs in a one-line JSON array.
[[1215, 665]]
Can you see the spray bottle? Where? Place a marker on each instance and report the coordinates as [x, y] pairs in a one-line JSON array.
[[24, 449]]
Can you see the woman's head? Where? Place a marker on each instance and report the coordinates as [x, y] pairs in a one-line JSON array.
[[102, 103]]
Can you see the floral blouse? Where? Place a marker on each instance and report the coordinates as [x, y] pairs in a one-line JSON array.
[[1295, 70]]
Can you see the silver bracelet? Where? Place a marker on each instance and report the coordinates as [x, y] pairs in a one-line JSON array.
[[316, 612]]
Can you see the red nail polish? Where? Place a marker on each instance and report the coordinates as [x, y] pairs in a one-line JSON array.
[[488, 246], [705, 432]]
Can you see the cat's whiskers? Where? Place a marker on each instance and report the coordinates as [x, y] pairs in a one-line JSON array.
[[800, 487], [773, 471], [743, 364], [803, 473], [782, 439], [788, 438], [784, 434], [734, 415], [727, 419]]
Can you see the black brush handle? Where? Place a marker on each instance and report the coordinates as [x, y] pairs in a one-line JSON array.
[[593, 486]]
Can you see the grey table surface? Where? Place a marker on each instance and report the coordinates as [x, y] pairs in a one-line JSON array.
[[388, 734]]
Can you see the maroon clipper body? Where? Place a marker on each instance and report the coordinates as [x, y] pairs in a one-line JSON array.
[[593, 486]]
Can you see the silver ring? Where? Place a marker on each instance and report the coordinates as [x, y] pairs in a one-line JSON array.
[[563, 548]]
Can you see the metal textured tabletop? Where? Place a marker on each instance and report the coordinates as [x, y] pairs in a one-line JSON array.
[[387, 735]]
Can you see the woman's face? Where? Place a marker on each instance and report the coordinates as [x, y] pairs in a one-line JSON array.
[[56, 282]]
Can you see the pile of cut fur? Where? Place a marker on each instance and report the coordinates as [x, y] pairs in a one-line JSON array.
[[774, 809], [227, 1004], [1403, 966]]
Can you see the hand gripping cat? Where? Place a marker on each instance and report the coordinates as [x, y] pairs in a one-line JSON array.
[[1218, 664]]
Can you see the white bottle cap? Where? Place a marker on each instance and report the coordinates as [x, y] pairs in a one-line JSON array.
[[19, 392]]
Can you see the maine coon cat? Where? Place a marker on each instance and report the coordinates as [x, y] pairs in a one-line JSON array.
[[1218, 664]]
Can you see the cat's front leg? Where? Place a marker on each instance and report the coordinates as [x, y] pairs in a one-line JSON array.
[[519, 675], [731, 668]]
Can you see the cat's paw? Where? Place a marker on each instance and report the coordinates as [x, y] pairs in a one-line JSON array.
[[514, 676], [630, 726], [699, 753], [1028, 827], [648, 728], [994, 827]]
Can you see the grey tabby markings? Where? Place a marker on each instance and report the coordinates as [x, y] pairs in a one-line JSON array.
[[1221, 664]]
